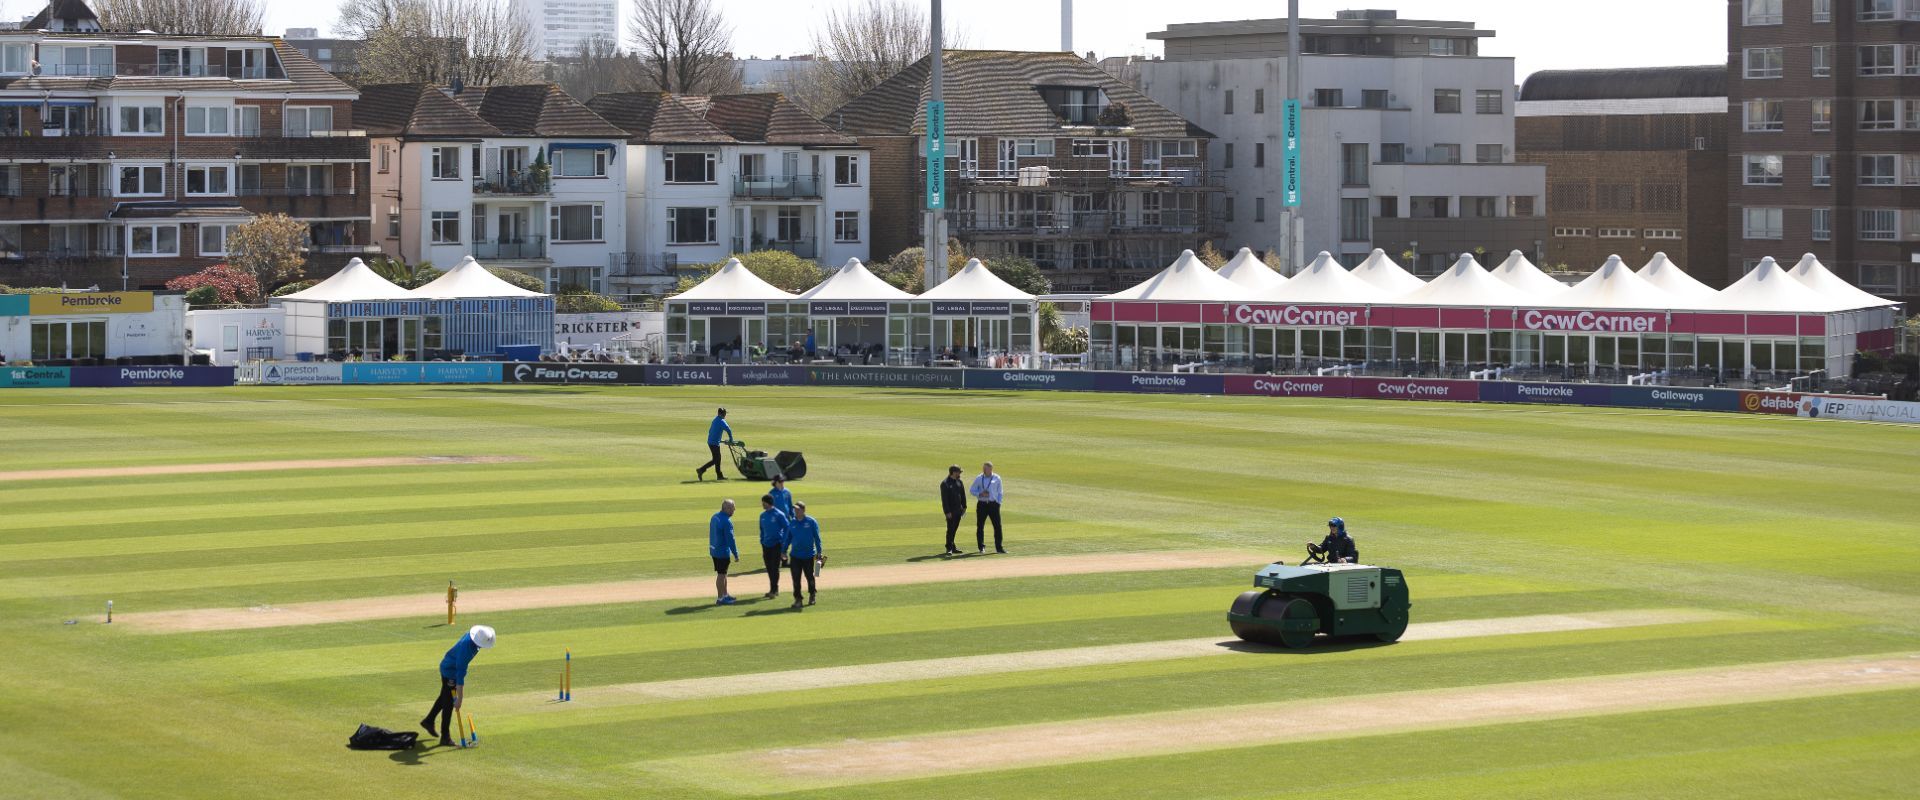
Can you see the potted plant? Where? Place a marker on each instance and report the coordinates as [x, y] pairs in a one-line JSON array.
[[541, 172]]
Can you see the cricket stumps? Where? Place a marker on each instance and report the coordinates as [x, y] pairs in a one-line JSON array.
[[566, 678], [473, 733], [452, 595]]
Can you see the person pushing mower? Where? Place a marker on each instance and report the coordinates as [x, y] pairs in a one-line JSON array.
[[714, 429], [453, 680]]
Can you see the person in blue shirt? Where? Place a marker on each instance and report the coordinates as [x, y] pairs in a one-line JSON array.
[[714, 429], [988, 488], [812, 351], [773, 542], [720, 547], [453, 680], [782, 499], [803, 551]]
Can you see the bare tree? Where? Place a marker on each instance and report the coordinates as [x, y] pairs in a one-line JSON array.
[[359, 19], [684, 46], [866, 42], [476, 42], [599, 67], [212, 17], [270, 247]]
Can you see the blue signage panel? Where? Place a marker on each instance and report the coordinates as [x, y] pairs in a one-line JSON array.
[[377, 372], [151, 376], [1159, 382], [766, 376], [1057, 380], [1290, 152], [460, 372], [905, 377], [708, 375], [1684, 397], [848, 308], [936, 155], [38, 377], [951, 308], [546, 372], [15, 305], [1575, 394]]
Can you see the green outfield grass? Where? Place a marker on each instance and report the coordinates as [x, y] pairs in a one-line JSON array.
[[1803, 535]]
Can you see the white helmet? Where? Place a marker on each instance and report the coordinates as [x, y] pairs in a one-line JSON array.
[[482, 636]]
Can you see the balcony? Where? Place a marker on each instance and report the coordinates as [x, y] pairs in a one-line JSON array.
[[1087, 223], [804, 248], [345, 249], [512, 182], [776, 187], [1047, 177], [63, 256], [521, 248], [258, 190], [642, 265]]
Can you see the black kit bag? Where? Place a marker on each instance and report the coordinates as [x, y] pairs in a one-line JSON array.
[[372, 738]]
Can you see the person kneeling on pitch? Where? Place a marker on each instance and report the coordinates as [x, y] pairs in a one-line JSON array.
[[804, 552], [1338, 546], [453, 680]]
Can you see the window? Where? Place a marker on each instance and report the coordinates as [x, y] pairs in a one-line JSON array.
[[89, 60], [1912, 171], [1520, 205], [1259, 154], [208, 120], [1393, 153], [246, 120], [1879, 170], [1489, 101], [1259, 101], [787, 226], [1573, 233], [445, 164], [309, 180], [1661, 196], [1353, 164], [1764, 12], [181, 62], [1259, 209], [1373, 98], [691, 166], [1878, 115], [1479, 207], [1430, 207], [1446, 101], [577, 223], [1445, 154], [1822, 60], [386, 158], [393, 224], [213, 238], [142, 120], [846, 226], [1328, 98], [1822, 164], [1227, 102], [1822, 115], [1877, 10], [1766, 115], [1353, 219], [150, 241], [214, 179], [1448, 46], [1389, 206], [1226, 155], [1033, 148], [308, 120], [692, 226], [846, 170], [1910, 56], [1913, 115], [1765, 62], [1179, 148], [1075, 105], [1879, 278], [1877, 59], [323, 53], [1569, 196], [14, 58], [1766, 170], [1822, 10], [1090, 148], [136, 181], [1822, 224], [1661, 233], [1226, 209], [1489, 153], [1616, 233], [1879, 224], [1763, 223], [581, 162], [446, 227]]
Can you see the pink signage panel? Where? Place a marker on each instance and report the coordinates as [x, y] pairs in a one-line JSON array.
[[1772, 325], [1300, 316], [1416, 389], [1288, 386]]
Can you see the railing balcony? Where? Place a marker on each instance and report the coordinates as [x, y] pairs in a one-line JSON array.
[[512, 182], [345, 249], [169, 71], [642, 265], [1086, 222], [804, 248], [1041, 176], [62, 255], [258, 190], [522, 247], [776, 187]]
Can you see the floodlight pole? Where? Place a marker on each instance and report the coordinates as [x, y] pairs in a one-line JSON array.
[[936, 226]]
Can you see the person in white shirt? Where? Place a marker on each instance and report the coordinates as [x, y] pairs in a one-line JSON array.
[[987, 487]]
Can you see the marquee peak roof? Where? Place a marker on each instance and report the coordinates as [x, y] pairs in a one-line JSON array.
[[1466, 283], [1668, 276], [1614, 285], [733, 281], [853, 281], [1817, 277], [355, 282], [974, 282], [1248, 270], [1381, 271], [1521, 273], [1187, 278], [1325, 281], [469, 280]]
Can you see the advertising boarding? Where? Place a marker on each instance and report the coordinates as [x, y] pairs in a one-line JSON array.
[[1859, 409], [696, 375], [891, 377], [298, 374], [602, 374], [766, 376], [1288, 386], [1416, 389], [1158, 382], [151, 376], [1577, 394], [1057, 380], [1686, 398], [34, 377]]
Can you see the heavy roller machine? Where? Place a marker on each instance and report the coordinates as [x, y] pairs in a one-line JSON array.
[[1295, 603]]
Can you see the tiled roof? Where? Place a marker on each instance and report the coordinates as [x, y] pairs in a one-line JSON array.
[[661, 118], [415, 109], [1632, 83], [60, 9], [535, 110], [175, 210], [303, 77], [996, 93]]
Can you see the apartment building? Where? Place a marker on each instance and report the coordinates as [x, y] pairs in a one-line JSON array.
[[127, 159], [714, 175], [1824, 137], [338, 56], [1636, 164], [1406, 140], [1048, 157], [522, 177], [558, 28]]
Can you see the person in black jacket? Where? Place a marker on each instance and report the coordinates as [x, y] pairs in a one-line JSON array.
[[953, 501], [1338, 546]]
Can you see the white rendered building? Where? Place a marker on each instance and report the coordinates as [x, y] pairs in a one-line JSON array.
[[521, 177], [1407, 135], [558, 28], [713, 176]]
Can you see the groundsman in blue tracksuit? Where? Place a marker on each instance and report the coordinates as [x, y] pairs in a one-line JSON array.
[[773, 542], [803, 547]]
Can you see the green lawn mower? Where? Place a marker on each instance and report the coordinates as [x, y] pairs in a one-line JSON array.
[[756, 465], [1295, 603]]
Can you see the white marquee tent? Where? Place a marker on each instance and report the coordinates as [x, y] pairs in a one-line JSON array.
[[1520, 272], [1248, 270], [1325, 281], [1187, 278], [1381, 271], [1663, 273], [1466, 283]]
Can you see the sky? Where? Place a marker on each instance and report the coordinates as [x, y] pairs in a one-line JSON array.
[[1538, 34]]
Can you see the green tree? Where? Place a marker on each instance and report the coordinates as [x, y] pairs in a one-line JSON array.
[[1021, 273], [583, 302], [270, 247], [296, 286], [518, 278], [786, 271], [403, 274]]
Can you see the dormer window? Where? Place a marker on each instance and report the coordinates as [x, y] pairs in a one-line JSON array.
[[182, 62], [14, 58], [1075, 105]]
